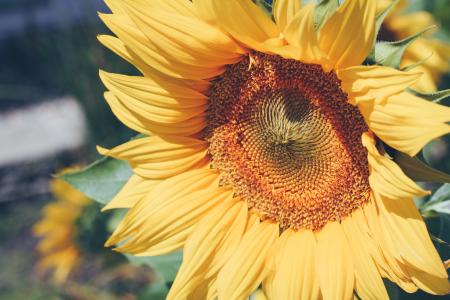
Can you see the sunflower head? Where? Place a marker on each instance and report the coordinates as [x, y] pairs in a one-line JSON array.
[[264, 156]]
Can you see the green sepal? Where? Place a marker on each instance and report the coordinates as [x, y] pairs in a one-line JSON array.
[[101, 180], [323, 10], [390, 54], [417, 170], [435, 97]]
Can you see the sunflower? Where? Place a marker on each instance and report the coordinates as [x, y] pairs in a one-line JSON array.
[[264, 156], [57, 230], [434, 53]]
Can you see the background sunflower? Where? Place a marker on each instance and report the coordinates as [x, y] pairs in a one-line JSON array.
[[57, 231]]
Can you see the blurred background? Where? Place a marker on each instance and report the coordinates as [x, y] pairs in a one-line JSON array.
[[52, 114]]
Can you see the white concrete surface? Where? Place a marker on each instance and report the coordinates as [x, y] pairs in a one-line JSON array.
[[41, 131]]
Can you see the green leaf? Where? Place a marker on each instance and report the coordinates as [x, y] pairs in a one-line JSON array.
[[441, 194], [439, 202], [435, 97], [391, 53], [440, 207], [100, 181], [417, 170], [166, 266], [323, 10]]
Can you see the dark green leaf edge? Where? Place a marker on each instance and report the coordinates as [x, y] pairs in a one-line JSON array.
[[435, 97], [417, 170]]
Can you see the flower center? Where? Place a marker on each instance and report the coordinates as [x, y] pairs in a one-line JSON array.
[[284, 137]]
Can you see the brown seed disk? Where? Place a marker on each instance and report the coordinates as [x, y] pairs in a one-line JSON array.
[[284, 137]]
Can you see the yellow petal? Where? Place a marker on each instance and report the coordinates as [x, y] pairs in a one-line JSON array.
[[334, 265], [205, 291], [363, 83], [119, 48], [248, 24], [284, 11], [158, 114], [300, 33], [429, 283], [244, 271], [204, 10], [368, 281], [172, 225], [406, 122], [402, 221], [115, 7], [134, 120], [150, 52], [201, 246], [187, 40], [134, 190], [154, 77], [162, 220], [394, 267], [222, 253], [181, 7], [348, 36], [156, 149], [386, 177], [231, 241], [159, 157], [294, 274], [426, 82], [157, 92]]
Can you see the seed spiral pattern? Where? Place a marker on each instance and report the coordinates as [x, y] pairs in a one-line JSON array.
[[284, 137]]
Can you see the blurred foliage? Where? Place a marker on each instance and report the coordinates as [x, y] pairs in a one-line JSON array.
[[46, 63], [92, 228], [7, 5]]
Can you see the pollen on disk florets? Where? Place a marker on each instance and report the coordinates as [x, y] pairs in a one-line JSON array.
[[284, 137]]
